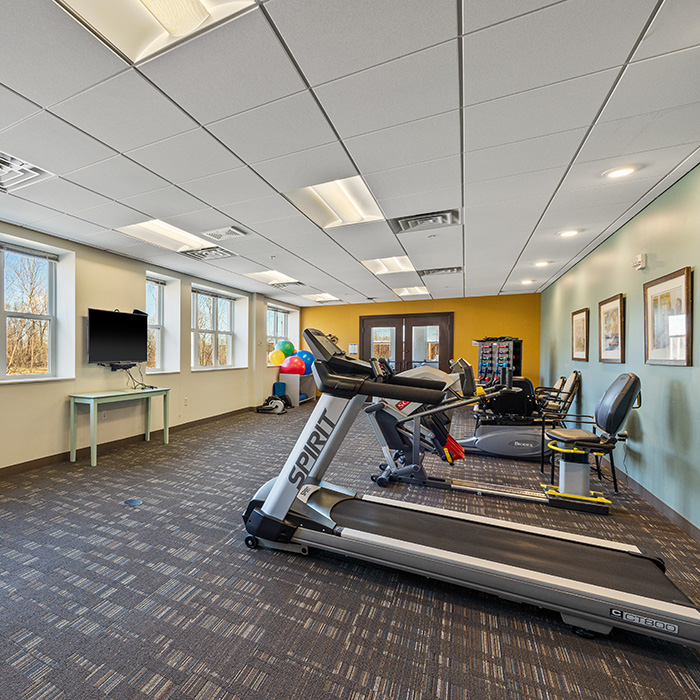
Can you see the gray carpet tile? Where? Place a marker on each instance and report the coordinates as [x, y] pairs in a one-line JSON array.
[[164, 601]]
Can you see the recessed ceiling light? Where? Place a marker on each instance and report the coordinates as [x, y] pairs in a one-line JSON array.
[[337, 203], [271, 277], [410, 291], [567, 234], [542, 263], [157, 232], [139, 28], [620, 172], [385, 266], [322, 298], [527, 281]]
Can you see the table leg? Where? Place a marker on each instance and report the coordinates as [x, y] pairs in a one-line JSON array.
[[148, 418], [73, 429], [166, 418], [93, 433]]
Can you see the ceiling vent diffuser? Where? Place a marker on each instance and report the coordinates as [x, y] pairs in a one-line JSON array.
[[223, 234], [205, 254], [286, 285], [422, 222], [16, 173], [439, 271]]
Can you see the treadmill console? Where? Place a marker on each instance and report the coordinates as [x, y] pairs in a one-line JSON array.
[[324, 349]]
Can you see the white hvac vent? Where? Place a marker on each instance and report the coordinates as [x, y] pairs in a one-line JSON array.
[[222, 234], [16, 173], [286, 285], [422, 222], [439, 271], [214, 253]]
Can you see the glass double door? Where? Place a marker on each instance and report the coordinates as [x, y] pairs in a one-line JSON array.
[[409, 340]]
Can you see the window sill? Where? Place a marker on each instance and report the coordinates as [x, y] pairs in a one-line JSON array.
[[26, 379], [162, 371], [216, 369]]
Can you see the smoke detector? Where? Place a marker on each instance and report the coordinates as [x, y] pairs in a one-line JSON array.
[[223, 234], [16, 173], [214, 253], [422, 222]]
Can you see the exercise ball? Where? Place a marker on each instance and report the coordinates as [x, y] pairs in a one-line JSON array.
[[277, 357], [286, 346], [293, 365], [308, 359]]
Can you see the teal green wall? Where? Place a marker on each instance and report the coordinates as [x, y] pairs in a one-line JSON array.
[[663, 454]]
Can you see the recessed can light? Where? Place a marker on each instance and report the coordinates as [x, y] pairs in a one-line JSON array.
[[527, 281], [567, 234], [620, 172], [542, 263]]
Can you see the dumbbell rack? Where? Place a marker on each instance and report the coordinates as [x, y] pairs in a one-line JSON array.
[[497, 355]]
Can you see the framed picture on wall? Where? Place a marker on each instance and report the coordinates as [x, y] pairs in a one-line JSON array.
[[668, 327], [611, 327], [579, 335]]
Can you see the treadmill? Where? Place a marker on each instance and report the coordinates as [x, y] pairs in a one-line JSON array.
[[594, 584]]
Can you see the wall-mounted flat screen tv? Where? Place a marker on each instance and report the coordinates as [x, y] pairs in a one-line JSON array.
[[114, 337]]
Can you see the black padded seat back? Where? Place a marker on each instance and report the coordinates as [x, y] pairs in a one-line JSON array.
[[617, 402], [519, 403], [568, 391]]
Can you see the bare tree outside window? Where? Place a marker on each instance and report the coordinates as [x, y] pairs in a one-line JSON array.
[[212, 330]]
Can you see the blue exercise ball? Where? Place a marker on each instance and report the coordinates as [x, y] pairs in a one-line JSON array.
[[308, 359]]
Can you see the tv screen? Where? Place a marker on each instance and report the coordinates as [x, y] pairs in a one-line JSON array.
[[113, 336]]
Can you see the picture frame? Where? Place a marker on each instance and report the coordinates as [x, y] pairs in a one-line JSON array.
[[611, 329], [579, 335], [668, 319]]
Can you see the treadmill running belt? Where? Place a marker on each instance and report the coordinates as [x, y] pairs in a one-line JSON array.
[[571, 560]]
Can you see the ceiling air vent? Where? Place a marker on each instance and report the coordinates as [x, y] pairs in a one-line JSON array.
[[286, 285], [214, 253], [439, 271], [223, 234], [422, 222], [16, 173]]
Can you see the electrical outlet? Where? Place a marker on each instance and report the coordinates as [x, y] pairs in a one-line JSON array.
[[186, 401], [104, 415]]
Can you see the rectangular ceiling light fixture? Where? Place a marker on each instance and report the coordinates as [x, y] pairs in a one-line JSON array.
[[337, 203], [385, 266], [139, 28], [164, 235], [411, 291], [271, 277], [322, 298]]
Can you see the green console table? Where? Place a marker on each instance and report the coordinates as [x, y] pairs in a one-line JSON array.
[[103, 397]]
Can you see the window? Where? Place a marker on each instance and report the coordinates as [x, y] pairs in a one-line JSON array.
[[155, 307], [27, 306], [212, 329], [277, 327]]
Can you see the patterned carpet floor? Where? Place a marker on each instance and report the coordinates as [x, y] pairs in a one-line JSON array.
[[164, 601]]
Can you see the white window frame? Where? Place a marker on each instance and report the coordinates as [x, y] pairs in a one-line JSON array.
[[159, 328], [215, 331], [275, 338], [50, 317]]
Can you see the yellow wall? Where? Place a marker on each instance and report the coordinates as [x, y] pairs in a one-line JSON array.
[[475, 317]]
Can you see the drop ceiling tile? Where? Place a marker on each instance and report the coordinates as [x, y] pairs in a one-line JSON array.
[[406, 144], [260, 72], [422, 203], [20, 211], [53, 145], [445, 286], [563, 41], [254, 211], [633, 96], [288, 228], [239, 185], [14, 108], [571, 197], [161, 204], [285, 126], [61, 195], [310, 167], [256, 248], [125, 112], [409, 88], [47, 55], [412, 179], [477, 14], [112, 215], [584, 219], [112, 240], [503, 189], [237, 264], [434, 248], [200, 221], [65, 226], [394, 280], [368, 241], [644, 132], [671, 30], [187, 156], [519, 216], [554, 108], [355, 34], [116, 178], [521, 157]]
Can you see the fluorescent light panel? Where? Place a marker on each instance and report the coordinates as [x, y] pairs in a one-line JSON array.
[[320, 297], [140, 28], [271, 277], [410, 291], [164, 235], [337, 203], [385, 266]]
